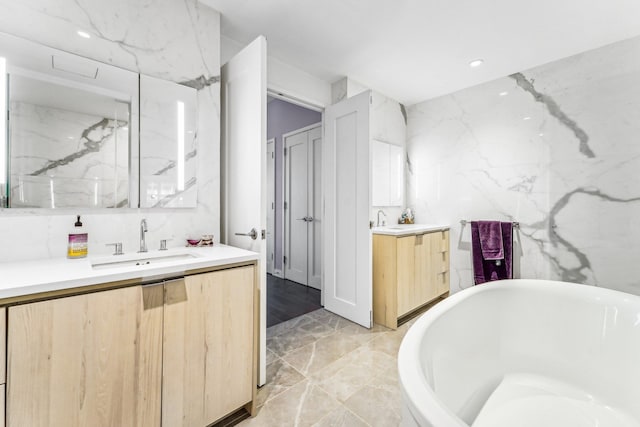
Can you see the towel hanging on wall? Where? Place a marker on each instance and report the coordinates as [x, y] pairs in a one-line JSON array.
[[492, 250]]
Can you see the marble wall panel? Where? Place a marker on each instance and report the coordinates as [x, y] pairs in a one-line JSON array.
[[173, 40], [555, 148]]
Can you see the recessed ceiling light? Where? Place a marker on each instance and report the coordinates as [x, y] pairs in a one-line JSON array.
[[83, 34], [526, 118], [503, 93], [476, 63], [541, 134]]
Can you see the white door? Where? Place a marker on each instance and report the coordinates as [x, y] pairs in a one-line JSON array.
[[296, 189], [243, 162], [271, 203], [347, 238], [303, 194]]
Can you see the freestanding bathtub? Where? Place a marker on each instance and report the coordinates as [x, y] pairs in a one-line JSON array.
[[524, 353]]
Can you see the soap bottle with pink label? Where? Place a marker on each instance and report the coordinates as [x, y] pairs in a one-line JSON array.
[[78, 241]]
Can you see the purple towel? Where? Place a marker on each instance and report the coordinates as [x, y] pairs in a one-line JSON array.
[[485, 270], [490, 234]]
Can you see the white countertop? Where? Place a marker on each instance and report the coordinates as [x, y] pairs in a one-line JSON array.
[[408, 229], [46, 275]]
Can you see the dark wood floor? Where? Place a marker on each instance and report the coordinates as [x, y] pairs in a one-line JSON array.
[[287, 299]]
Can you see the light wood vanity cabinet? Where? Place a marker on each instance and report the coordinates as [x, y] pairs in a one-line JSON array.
[[177, 353], [408, 273], [208, 347], [92, 359]]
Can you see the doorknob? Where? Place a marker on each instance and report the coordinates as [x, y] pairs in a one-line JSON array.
[[253, 234], [306, 219]]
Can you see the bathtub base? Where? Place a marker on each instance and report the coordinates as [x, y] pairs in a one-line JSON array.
[[528, 400]]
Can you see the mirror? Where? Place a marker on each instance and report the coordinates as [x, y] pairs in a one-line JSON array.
[[80, 133], [72, 129], [388, 176], [168, 152]]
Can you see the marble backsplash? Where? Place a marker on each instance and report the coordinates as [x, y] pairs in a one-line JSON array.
[[554, 148], [176, 41]]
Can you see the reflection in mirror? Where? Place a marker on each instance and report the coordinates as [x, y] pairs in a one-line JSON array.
[[388, 178], [72, 134], [168, 150]]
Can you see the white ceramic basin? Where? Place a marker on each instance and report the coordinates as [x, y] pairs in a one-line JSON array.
[[116, 261]]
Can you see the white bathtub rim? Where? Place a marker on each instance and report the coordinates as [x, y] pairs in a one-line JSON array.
[[421, 400]]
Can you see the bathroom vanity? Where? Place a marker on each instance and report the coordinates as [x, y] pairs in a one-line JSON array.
[[167, 338], [410, 270]]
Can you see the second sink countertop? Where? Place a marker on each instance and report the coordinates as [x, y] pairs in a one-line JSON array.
[[408, 229]]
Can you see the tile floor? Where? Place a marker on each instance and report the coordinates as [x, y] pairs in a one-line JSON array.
[[323, 370]]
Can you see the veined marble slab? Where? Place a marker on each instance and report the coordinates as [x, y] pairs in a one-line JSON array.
[[554, 148]]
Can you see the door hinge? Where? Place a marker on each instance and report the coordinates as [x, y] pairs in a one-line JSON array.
[[272, 205], [285, 205], [272, 257], [371, 318], [263, 234], [285, 151], [272, 156], [284, 259]]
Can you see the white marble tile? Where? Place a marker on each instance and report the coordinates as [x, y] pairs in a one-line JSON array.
[[177, 41], [557, 153]]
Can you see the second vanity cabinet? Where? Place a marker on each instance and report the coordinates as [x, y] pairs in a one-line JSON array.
[[176, 353], [409, 271]]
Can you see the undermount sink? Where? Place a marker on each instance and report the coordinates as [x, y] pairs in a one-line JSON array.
[[138, 260]]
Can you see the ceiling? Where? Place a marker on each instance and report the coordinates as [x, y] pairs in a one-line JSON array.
[[413, 50]]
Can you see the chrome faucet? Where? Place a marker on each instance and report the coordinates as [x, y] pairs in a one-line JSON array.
[[380, 211], [143, 239]]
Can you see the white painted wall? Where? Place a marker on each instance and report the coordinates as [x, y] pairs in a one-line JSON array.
[[285, 78]]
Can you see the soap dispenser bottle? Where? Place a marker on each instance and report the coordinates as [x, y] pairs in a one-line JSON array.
[[78, 241]]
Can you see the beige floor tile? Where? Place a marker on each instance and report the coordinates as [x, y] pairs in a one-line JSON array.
[[350, 373], [378, 403], [301, 405], [286, 342], [363, 335], [387, 343], [280, 377], [290, 324], [341, 417], [271, 356], [315, 356]]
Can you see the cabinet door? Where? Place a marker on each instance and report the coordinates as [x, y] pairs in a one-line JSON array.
[[406, 274], [425, 286], [87, 360], [440, 253], [208, 347]]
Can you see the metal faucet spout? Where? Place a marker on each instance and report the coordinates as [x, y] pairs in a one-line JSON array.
[[380, 211], [143, 239]]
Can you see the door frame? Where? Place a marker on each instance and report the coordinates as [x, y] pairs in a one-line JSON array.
[[288, 96], [271, 197], [284, 229]]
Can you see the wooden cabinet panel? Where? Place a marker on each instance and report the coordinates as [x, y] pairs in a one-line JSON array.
[[408, 270], [2, 405], [208, 346], [440, 248], [385, 280], [87, 360], [3, 347]]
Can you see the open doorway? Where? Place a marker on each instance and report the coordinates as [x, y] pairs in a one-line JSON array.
[[294, 137]]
